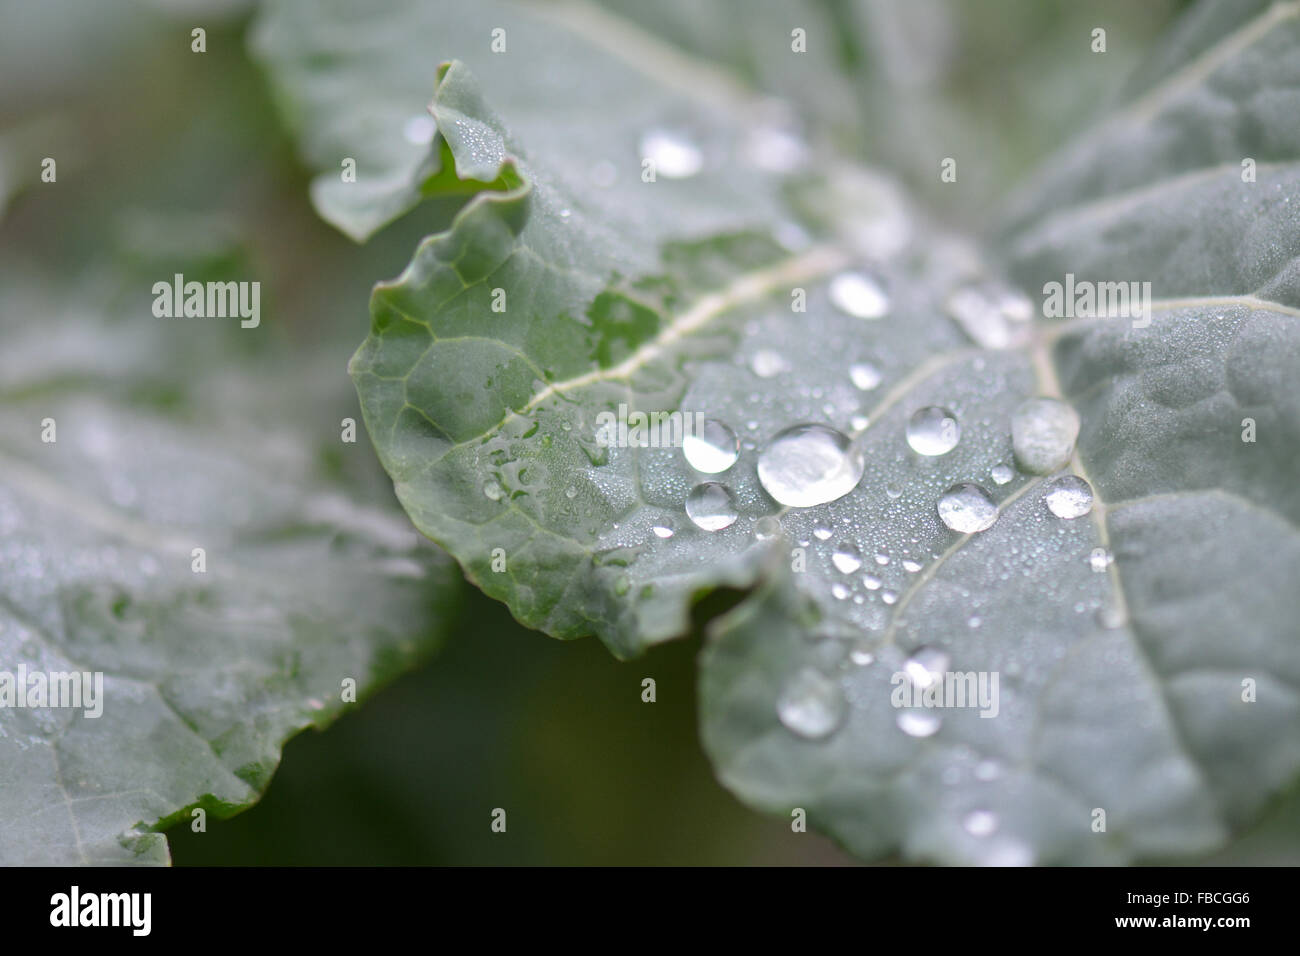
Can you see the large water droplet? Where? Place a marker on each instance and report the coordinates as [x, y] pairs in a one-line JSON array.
[[713, 449], [933, 431], [859, 295], [846, 558], [980, 823], [1043, 432], [812, 705], [918, 723], [767, 363], [926, 666], [1069, 497], [673, 154], [864, 375], [967, 508], [808, 465], [710, 507]]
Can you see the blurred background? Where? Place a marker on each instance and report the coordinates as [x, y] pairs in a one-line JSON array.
[[170, 161]]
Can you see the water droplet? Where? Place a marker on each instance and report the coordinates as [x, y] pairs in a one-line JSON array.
[[812, 705], [859, 295], [987, 770], [766, 363], [673, 154], [808, 465], [492, 490], [926, 666], [1111, 617], [846, 558], [919, 723], [864, 376], [967, 508], [889, 597], [1100, 559], [663, 528], [821, 533], [882, 559], [933, 431], [571, 492], [872, 582], [859, 423], [766, 528], [1001, 474], [973, 621], [566, 213], [1043, 432], [839, 591], [419, 130], [980, 823], [861, 654], [776, 150], [1069, 497], [910, 566], [983, 309], [710, 507], [713, 449]]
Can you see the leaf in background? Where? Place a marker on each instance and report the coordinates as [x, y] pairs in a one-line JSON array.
[[1121, 639]]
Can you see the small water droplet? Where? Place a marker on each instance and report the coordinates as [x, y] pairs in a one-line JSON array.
[[673, 154], [882, 559], [710, 507], [919, 723], [1001, 474], [420, 129], [713, 449], [862, 654], [889, 596], [973, 621], [766, 363], [933, 431], [1043, 433], [663, 528], [859, 295], [872, 582], [864, 376], [1100, 559], [766, 528], [847, 558], [808, 465], [492, 490], [566, 213], [967, 508], [839, 591], [775, 149], [980, 823], [1069, 496], [812, 705], [571, 492], [859, 423], [910, 566], [821, 532], [926, 666]]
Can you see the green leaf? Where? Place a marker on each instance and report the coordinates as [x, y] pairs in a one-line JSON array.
[[308, 580], [1121, 640]]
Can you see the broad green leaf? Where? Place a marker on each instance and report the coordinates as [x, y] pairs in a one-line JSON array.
[[306, 582], [1121, 639]]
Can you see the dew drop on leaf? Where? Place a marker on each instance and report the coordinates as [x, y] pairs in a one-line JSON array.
[[812, 705], [864, 376], [1069, 496], [713, 449], [980, 823], [663, 528], [926, 666], [766, 528], [673, 154], [859, 295], [1001, 474], [967, 508], [847, 558], [918, 723], [710, 507], [809, 465], [765, 363], [1043, 432], [933, 431]]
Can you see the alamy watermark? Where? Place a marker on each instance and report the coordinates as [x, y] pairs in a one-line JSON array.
[[633, 429], [1086, 299], [209, 300], [944, 689], [82, 690]]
